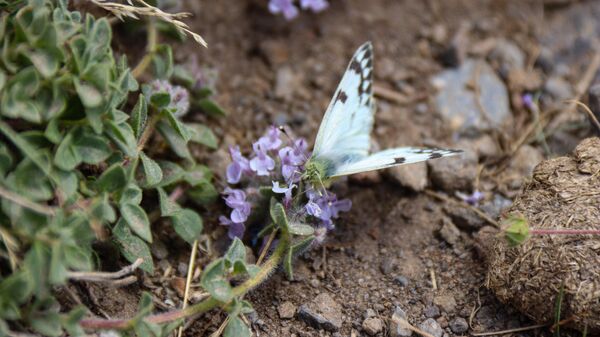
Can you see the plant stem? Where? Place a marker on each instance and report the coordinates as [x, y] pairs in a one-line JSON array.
[[564, 231], [150, 48], [23, 202], [148, 131], [210, 303]]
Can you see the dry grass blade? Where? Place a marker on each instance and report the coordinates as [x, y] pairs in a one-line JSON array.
[[122, 11], [406, 325], [105, 276], [188, 281], [504, 332]]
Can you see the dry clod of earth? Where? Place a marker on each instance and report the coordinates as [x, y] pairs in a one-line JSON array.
[[564, 193]]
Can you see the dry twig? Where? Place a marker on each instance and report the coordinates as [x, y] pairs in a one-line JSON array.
[[114, 278]]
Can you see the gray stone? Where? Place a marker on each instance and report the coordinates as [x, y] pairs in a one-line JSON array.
[[457, 104], [397, 329], [459, 325], [558, 88], [526, 159], [494, 207], [446, 302], [431, 326], [412, 176], [159, 250], [449, 232], [401, 280], [464, 218], [431, 311], [456, 173], [370, 313], [387, 266], [322, 313], [286, 310], [372, 326], [286, 82], [508, 56]]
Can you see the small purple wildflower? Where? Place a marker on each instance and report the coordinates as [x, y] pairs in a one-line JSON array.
[[286, 7], [180, 98], [329, 207], [271, 140], [287, 192], [292, 159], [473, 199], [239, 165], [528, 102], [262, 163], [236, 199], [314, 5], [234, 229]]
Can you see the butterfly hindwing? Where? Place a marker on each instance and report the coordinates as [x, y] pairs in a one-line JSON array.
[[347, 124], [389, 158]]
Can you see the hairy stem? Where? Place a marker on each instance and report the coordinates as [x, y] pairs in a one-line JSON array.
[[564, 231], [150, 48], [148, 131], [210, 303]]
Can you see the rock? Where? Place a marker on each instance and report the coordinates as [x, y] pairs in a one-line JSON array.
[[366, 178], [457, 104], [401, 280], [431, 311], [372, 326], [452, 174], [387, 266], [286, 310], [454, 54], [525, 160], [159, 250], [370, 313], [286, 83], [594, 104], [558, 88], [413, 176], [397, 329], [524, 80], [464, 218], [459, 325], [446, 302], [274, 51], [322, 313], [449, 232], [485, 146], [494, 207], [507, 55], [432, 327]]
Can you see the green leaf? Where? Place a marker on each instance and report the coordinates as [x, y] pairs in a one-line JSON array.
[[6, 160], [236, 251], [122, 135], [178, 126], [287, 264], [45, 62], [188, 224], [146, 304], [183, 76], [172, 172], [301, 229], [202, 134], [78, 257], [52, 131], [210, 107], [113, 179], [131, 195], [236, 328], [302, 245], [47, 323], [198, 174], [139, 116], [89, 95], [36, 263], [152, 171], [203, 194], [517, 229], [175, 141], [163, 62], [279, 217], [133, 247], [67, 157], [70, 321], [92, 149], [168, 207], [215, 283], [137, 220], [160, 100], [58, 270]]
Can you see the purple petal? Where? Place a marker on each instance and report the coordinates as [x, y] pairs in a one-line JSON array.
[[313, 209], [236, 230], [314, 5], [234, 173]]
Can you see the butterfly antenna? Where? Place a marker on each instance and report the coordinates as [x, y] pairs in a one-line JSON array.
[[292, 141]]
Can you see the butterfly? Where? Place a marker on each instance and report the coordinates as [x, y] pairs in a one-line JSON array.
[[343, 140]]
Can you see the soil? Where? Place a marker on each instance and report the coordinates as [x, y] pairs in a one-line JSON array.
[[388, 251]]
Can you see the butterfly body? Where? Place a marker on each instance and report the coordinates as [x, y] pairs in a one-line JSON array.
[[343, 141]]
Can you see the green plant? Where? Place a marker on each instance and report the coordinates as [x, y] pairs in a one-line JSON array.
[[74, 165]]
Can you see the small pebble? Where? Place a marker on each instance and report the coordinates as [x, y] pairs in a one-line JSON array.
[[459, 325], [432, 327], [286, 310], [372, 326]]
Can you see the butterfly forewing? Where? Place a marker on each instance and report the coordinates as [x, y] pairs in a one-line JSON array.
[[347, 124]]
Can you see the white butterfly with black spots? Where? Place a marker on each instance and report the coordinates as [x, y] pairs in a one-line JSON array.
[[343, 140]]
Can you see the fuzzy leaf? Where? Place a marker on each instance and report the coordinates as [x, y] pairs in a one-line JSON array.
[[70, 321], [279, 217], [152, 170], [160, 100], [215, 283], [203, 194], [58, 270], [172, 172], [175, 141], [287, 264], [137, 219], [236, 328], [168, 207], [139, 116], [202, 134], [89, 95], [210, 107], [92, 149], [517, 230], [114, 178], [132, 194], [236, 251], [178, 126], [47, 324], [302, 245], [122, 135], [133, 247], [188, 224], [67, 157], [197, 175], [301, 229]]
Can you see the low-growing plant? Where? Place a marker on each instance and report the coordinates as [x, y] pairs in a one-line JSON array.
[[75, 167]]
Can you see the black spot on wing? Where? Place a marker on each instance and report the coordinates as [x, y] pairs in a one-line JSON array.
[[434, 155], [355, 66], [341, 96], [399, 160]]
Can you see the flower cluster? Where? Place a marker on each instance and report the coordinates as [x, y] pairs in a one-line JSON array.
[[180, 98], [289, 9], [280, 167]]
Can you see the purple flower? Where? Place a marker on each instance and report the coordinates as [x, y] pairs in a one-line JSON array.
[[234, 229], [239, 166], [472, 199], [271, 140], [314, 5], [180, 100], [292, 158], [313, 209], [287, 191], [262, 163], [236, 199], [329, 207], [286, 7]]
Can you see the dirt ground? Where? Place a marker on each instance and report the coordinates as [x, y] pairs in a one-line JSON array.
[[388, 251]]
